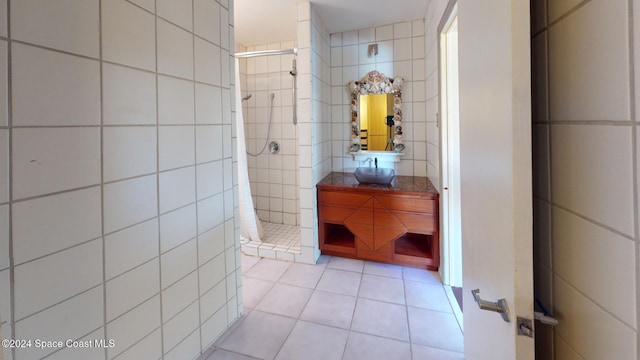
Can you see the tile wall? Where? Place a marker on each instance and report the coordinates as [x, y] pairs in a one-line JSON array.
[[586, 176], [435, 10], [313, 122], [401, 52], [117, 176], [273, 177]]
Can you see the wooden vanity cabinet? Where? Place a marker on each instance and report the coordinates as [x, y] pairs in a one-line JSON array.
[[395, 223]]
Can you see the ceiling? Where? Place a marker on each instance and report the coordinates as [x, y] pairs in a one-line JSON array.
[[260, 22]]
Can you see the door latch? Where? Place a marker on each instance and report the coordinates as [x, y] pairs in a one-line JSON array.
[[525, 327], [499, 306]]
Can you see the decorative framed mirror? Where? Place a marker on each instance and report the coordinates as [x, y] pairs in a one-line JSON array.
[[376, 113]]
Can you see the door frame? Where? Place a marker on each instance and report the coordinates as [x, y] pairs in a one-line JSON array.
[[452, 252]]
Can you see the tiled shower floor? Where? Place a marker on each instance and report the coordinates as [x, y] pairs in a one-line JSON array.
[[280, 242], [340, 309]]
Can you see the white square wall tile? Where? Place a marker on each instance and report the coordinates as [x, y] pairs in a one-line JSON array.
[[4, 76], [132, 288], [210, 179], [575, 242], [212, 273], [384, 33], [206, 17], [599, 334], [178, 262], [178, 328], [131, 247], [402, 30], [177, 146], [175, 50], [51, 88], [591, 41], [54, 159], [134, 325], [179, 295], [45, 225], [577, 150], [208, 62], [213, 300], [128, 151], [208, 143], [129, 202], [177, 227], [179, 12], [128, 35], [128, 96], [4, 238], [146, 4], [72, 353], [68, 25], [175, 101], [177, 188], [190, 345], [149, 347], [68, 320], [3, 17], [211, 244], [5, 298], [208, 104], [46, 281], [402, 49], [4, 165], [210, 212]]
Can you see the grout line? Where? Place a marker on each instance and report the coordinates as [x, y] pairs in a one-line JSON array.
[[634, 155], [12, 293], [157, 173], [195, 190], [102, 185]]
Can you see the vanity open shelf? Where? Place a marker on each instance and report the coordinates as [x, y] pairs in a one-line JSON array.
[[396, 223]]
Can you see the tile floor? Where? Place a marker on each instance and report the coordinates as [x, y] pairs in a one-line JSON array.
[[280, 241], [340, 309]]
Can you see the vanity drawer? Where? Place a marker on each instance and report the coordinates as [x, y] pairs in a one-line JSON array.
[[334, 214], [340, 198], [410, 204], [417, 223]]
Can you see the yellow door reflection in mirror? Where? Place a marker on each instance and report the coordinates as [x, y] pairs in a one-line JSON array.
[[375, 134]]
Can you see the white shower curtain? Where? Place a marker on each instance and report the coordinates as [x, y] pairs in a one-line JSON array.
[[250, 226]]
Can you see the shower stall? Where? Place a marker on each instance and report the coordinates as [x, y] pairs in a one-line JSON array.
[[268, 97]]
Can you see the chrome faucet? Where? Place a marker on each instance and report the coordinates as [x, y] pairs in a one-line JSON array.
[[375, 161]]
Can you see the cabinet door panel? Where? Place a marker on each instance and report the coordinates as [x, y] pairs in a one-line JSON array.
[[383, 235], [363, 215], [384, 254], [363, 232], [382, 216]]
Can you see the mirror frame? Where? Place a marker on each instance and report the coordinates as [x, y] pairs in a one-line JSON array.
[[376, 83]]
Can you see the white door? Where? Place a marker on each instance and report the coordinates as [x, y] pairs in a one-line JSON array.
[[495, 173]]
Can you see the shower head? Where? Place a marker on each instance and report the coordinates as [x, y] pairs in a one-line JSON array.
[[246, 97]]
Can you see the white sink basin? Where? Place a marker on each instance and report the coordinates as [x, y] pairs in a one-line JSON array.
[[369, 175]]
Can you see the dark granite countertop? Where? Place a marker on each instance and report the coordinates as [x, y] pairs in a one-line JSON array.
[[408, 184]]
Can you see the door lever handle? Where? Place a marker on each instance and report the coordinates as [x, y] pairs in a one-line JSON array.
[[499, 306]]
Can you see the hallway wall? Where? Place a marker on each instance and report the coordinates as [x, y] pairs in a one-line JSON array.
[[314, 121], [585, 153], [117, 176]]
